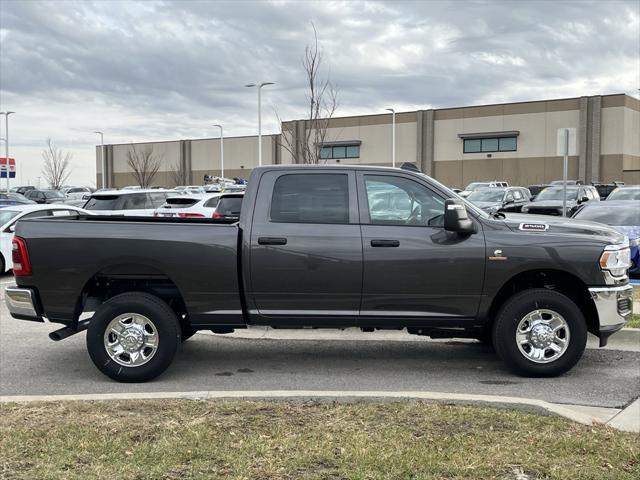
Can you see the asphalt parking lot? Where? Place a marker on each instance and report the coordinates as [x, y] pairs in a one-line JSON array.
[[31, 364]]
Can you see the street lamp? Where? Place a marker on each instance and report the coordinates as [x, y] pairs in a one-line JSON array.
[[221, 149], [104, 164], [393, 136], [259, 87], [6, 141]]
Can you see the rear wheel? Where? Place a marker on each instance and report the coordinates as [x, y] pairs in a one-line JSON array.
[[133, 337], [540, 333]]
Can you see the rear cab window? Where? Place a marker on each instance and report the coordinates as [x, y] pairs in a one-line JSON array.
[[317, 198]]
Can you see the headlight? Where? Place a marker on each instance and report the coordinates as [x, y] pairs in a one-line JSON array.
[[616, 259]]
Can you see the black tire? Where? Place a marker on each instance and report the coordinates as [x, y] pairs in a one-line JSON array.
[[166, 325], [485, 337], [515, 309]]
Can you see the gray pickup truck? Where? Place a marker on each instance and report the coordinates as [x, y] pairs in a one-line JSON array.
[[326, 246]]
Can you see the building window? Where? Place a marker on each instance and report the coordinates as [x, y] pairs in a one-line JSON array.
[[490, 144], [330, 152]]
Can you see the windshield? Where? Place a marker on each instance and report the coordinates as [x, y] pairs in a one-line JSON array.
[[103, 202], [623, 216], [6, 215], [472, 187], [625, 194], [53, 194], [486, 195], [555, 193]]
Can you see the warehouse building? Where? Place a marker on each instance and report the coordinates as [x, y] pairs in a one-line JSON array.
[[515, 142]]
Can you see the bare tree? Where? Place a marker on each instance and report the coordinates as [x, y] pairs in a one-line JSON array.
[[179, 173], [144, 164], [322, 98], [57, 165]]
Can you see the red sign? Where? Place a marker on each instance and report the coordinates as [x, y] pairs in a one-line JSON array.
[[3, 167]]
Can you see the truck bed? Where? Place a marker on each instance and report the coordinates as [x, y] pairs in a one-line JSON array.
[[196, 256]]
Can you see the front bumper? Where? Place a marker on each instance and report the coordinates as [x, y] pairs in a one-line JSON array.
[[22, 303], [614, 306]]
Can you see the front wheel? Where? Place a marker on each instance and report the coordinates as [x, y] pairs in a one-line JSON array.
[[540, 333], [133, 337]]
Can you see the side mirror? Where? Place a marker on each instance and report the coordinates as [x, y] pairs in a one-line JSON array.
[[509, 201], [456, 218], [583, 199], [12, 228]]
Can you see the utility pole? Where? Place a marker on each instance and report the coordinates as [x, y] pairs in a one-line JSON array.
[[6, 141], [393, 136], [104, 163], [259, 87], [221, 150]]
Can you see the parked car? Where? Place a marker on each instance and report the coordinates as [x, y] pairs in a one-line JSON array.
[[213, 188], [624, 216], [127, 202], [314, 249], [76, 193], [473, 186], [536, 189], [628, 192], [605, 189], [22, 190], [9, 216], [188, 206], [569, 182], [190, 189], [12, 198], [45, 196], [229, 206], [549, 200], [500, 199]]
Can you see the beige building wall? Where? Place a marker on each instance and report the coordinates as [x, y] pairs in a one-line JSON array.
[[607, 130]]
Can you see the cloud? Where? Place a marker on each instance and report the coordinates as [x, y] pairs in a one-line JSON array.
[[162, 70]]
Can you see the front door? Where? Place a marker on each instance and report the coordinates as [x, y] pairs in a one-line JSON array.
[[305, 247], [413, 268]]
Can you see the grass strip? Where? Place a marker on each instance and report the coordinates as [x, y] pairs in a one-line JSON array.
[[266, 440]]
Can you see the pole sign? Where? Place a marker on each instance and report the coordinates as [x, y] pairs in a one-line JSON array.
[[9, 166]]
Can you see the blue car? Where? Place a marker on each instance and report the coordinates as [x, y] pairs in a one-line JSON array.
[[622, 215]]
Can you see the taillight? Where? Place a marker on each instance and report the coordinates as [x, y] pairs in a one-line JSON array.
[[216, 215], [189, 215], [20, 257]]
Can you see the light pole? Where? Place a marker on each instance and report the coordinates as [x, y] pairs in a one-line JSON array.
[[6, 141], [393, 136], [259, 87], [221, 150], [104, 164]]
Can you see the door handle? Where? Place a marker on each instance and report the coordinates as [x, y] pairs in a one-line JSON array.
[[385, 243], [272, 241]]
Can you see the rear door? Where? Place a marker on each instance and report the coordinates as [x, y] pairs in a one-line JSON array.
[[306, 250], [414, 269]]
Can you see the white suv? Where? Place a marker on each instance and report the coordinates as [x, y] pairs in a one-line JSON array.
[[138, 203]]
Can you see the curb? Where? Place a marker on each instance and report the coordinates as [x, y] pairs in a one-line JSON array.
[[577, 413]]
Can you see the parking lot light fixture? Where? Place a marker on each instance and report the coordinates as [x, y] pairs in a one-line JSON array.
[[104, 164], [393, 136], [221, 150], [259, 87], [6, 141]]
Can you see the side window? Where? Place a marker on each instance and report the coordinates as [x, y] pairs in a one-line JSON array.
[[400, 201], [317, 198], [38, 214], [158, 199], [509, 197], [137, 201], [213, 203], [517, 194]]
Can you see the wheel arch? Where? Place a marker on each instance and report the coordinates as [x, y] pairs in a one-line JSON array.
[[109, 281], [552, 279]]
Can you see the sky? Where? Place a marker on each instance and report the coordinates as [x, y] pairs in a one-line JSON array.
[[163, 70]]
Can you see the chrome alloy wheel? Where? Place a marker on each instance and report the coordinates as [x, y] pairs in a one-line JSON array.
[[131, 339], [543, 336]]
